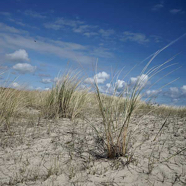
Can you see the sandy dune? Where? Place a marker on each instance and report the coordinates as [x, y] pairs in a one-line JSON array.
[[56, 153]]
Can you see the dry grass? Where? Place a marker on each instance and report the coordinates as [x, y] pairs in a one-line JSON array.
[[65, 100], [116, 110], [11, 103], [35, 98], [44, 149]]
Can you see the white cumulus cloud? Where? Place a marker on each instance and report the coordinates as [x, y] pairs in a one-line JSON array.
[[174, 92], [120, 84], [15, 85], [89, 80], [65, 50], [102, 75], [100, 78], [46, 80], [141, 80], [18, 56], [108, 85], [24, 68], [183, 89]]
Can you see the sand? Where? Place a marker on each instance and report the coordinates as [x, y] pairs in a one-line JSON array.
[[63, 152]]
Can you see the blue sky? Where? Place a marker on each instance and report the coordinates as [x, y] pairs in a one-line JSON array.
[[38, 38]]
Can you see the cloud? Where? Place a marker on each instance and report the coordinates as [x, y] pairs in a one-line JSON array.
[[83, 28], [68, 22], [176, 93], [118, 87], [100, 78], [18, 56], [3, 67], [69, 45], [78, 26], [102, 75], [89, 80], [89, 34], [175, 100], [108, 85], [65, 50], [53, 26], [102, 52], [17, 22], [92, 80], [134, 37], [38, 88], [20, 23], [46, 80], [152, 92], [183, 89], [34, 14], [56, 79], [44, 75], [157, 7], [120, 84], [157, 39], [5, 14], [16, 85], [6, 28], [62, 23], [140, 80], [24, 68], [106, 33], [176, 11]]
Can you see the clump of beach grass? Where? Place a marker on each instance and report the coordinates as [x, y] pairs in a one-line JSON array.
[[117, 110], [66, 99], [11, 102], [34, 98]]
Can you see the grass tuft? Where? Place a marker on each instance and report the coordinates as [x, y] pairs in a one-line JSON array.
[[117, 109], [11, 102], [65, 100]]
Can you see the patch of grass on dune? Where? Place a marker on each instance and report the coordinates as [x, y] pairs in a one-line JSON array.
[[11, 102], [66, 99], [116, 111]]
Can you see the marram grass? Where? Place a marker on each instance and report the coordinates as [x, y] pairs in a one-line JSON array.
[[65, 99], [116, 111]]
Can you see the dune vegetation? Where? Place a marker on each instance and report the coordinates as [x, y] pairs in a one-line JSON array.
[[71, 135]]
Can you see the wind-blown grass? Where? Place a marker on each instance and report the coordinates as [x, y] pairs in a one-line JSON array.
[[11, 102], [116, 111], [65, 99]]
